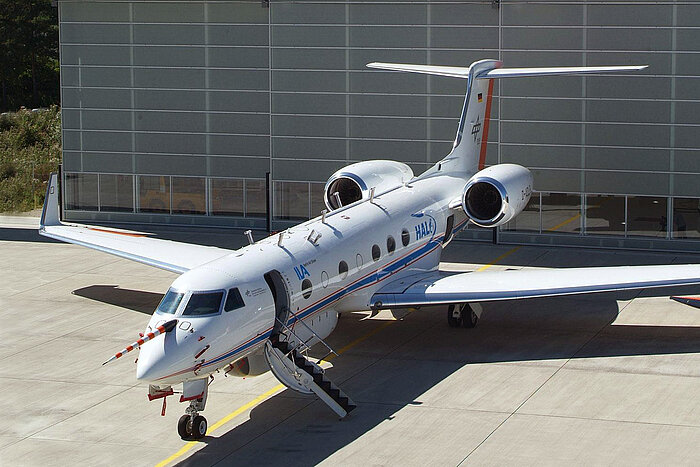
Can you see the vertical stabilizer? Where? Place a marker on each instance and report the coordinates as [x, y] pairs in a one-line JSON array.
[[469, 150]]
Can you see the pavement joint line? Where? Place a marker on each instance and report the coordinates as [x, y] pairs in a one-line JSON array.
[[608, 420], [187, 447], [547, 380]]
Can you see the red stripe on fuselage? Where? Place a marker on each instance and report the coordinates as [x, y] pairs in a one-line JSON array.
[[485, 135]]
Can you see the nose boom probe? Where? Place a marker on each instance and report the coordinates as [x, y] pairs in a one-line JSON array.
[[163, 328]]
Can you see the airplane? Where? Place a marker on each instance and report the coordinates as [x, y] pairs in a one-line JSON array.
[[377, 246]]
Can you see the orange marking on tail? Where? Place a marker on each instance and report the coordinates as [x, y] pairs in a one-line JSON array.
[[485, 135]]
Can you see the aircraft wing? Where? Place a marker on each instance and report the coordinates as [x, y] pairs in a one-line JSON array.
[[444, 288], [165, 254]]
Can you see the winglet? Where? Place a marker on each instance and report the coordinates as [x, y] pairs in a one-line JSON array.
[[49, 214]]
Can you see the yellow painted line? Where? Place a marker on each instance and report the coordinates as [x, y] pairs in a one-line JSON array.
[[503, 256], [221, 422], [562, 224], [187, 447]]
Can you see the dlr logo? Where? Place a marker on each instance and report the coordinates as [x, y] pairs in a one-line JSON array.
[[301, 271]]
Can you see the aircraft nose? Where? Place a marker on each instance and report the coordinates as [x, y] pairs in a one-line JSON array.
[[150, 365]]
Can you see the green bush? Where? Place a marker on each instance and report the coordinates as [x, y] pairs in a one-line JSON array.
[[30, 149]]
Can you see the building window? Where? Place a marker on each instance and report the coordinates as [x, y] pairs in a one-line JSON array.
[[116, 193], [81, 192], [646, 216], [561, 213], [529, 219], [189, 195], [605, 215], [686, 218], [227, 197], [376, 252], [255, 198], [154, 194], [292, 201], [317, 204]]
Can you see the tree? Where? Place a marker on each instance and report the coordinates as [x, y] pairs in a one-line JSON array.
[[29, 70]]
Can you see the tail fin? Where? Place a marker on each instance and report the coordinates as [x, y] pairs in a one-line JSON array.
[[469, 150]]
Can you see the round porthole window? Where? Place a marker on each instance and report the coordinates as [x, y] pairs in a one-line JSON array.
[[343, 269], [390, 244], [359, 261], [405, 237], [324, 279], [376, 252], [306, 288]]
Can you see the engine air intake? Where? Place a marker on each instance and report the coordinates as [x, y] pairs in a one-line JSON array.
[[483, 201]]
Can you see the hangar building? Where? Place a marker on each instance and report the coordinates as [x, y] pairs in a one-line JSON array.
[[174, 112]]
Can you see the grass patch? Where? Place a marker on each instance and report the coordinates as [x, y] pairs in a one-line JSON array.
[[30, 149]]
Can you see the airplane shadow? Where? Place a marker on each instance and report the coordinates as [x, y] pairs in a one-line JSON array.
[[12, 234], [136, 300], [396, 368]]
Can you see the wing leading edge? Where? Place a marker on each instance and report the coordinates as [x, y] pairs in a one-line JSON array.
[[164, 254], [531, 283]]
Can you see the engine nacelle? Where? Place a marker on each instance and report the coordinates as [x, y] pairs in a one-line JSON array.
[[252, 365], [497, 194], [353, 183]]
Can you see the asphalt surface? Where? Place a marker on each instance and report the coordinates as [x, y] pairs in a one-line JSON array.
[[597, 379]]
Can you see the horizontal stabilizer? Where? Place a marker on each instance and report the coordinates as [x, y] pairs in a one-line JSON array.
[[691, 301], [463, 72]]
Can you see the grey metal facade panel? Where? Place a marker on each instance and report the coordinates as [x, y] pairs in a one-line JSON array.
[[233, 89]]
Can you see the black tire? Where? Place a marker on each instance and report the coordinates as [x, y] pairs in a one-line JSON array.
[[199, 427], [451, 320], [184, 429], [469, 318]]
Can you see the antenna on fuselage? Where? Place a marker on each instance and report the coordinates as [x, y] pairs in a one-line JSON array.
[[249, 236]]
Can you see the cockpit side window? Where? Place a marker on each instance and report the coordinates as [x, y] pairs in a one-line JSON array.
[[203, 304], [170, 302], [234, 300]]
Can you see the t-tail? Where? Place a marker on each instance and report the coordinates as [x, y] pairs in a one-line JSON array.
[[468, 153]]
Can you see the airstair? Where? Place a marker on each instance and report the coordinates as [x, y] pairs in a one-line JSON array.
[[286, 353]]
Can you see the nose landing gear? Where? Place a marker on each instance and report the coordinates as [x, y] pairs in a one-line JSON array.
[[193, 426], [463, 314]]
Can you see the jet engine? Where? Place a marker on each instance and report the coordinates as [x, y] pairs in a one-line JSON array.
[[497, 194], [354, 182], [252, 365]]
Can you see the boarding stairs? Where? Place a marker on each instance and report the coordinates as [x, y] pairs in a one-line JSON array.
[[287, 356]]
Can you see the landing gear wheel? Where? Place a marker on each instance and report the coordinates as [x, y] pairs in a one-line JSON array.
[[469, 317], [184, 428], [451, 320], [199, 427]]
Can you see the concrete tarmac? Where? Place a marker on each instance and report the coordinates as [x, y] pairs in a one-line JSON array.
[[597, 379]]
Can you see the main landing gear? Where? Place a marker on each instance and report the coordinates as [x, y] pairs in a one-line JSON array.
[[462, 315]]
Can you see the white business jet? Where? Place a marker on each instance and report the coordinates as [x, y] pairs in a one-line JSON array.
[[378, 246]]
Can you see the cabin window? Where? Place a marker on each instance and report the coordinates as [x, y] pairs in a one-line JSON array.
[[359, 261], [170, 302], [405, 237], [343, 269], [324, 279], [234, 300], [203, 304], [306, 288], [376, 252], [390, 244]]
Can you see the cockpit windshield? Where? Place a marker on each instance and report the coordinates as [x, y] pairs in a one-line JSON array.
[[170, 302], [203, 304]]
